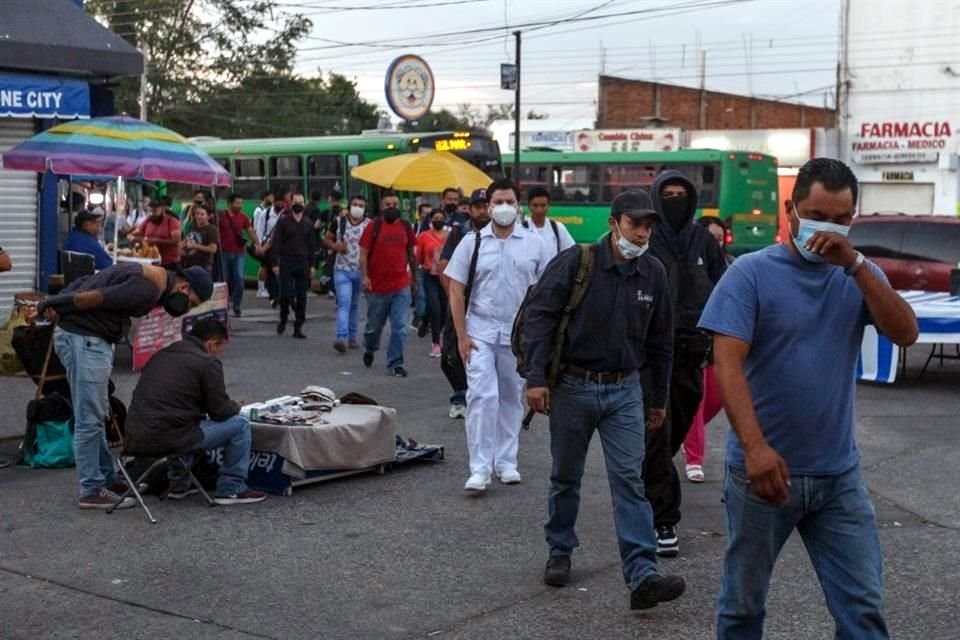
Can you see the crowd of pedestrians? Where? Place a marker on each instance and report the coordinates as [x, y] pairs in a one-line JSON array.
[[640, 337]]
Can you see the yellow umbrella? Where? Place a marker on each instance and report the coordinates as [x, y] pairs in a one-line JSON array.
[[431, 171]]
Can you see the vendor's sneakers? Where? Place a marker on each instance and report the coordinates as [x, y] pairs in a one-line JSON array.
[[458, 411], [247, 497], [104, 499], [477, 484]]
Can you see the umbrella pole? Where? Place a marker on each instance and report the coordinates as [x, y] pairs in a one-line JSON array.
[[119, 202]]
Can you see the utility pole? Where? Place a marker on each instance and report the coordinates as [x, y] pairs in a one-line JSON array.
[[516, 116], [143, 83], [703, 88]]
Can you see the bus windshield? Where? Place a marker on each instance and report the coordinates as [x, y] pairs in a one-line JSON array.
[[480, 150]]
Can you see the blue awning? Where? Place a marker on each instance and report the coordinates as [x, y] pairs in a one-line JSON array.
[[34, 96]]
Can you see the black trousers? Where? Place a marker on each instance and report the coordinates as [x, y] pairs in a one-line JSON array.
[[660, 477], [294, 282]]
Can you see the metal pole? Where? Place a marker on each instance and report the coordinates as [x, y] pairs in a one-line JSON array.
[[119, 202], [516, 117], [143, 83]]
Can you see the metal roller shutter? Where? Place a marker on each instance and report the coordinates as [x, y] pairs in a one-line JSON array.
[[18, 217]]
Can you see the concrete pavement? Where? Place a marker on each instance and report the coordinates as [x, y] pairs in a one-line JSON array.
[[406, 555]]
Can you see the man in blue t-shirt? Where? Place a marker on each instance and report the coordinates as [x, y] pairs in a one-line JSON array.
[[84, 238], [787, 324]]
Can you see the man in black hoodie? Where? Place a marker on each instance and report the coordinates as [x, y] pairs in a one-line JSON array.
[[694, 264]]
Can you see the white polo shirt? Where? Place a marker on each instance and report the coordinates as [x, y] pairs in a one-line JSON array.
[[505, 269]]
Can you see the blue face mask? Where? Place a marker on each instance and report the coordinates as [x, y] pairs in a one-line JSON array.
[[806, 230]]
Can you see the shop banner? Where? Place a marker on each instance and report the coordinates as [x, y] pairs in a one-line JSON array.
[[159, 329], [33, 96]]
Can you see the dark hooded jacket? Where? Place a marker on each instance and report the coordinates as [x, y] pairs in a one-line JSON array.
[[180, 386], [693, 259]]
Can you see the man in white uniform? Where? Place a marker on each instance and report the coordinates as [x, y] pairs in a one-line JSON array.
[[510, 259], [554, 234]]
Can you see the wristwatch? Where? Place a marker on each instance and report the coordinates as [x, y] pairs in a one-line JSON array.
[[852, 269]]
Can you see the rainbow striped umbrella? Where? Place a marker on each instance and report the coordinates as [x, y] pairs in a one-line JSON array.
[[118, 146]]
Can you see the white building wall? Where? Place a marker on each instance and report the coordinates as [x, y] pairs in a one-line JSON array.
[[900, 112]]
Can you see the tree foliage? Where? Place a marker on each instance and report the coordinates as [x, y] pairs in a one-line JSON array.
[[225, 68]]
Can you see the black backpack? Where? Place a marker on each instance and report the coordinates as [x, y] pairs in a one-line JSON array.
[[579, 287]]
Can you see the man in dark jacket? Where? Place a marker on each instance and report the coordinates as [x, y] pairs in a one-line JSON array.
[[180, 404], [94, 314], [694, 264]]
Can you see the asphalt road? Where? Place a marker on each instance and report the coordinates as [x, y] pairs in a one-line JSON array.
[[406, 555]]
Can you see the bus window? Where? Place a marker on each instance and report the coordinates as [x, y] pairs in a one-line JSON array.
[[533, 176], [324, 174], [356, 186], [249, 178], [575, 183], [618, 178], [223, 162], [286, 171], [705, 179]]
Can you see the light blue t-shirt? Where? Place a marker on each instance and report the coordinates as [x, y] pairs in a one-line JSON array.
[[804, 323]]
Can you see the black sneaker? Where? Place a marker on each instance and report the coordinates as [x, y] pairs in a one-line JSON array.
[[399, 372], [557, 571], [656, 589], [297, 333], [237, 313], [281, 327], [368, 358], [668, 544], [423, 328]]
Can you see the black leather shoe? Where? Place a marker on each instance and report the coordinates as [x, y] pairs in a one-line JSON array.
[[367, 359], [298, 334], [557, 571], [281, 327], [656, 589]]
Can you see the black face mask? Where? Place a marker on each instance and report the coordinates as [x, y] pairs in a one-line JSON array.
[[391, 214], [176, 304], [449, 208], [676, 211], [297, 208], [437, 224]]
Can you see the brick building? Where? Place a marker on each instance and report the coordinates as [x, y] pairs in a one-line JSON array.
[[627, 103]]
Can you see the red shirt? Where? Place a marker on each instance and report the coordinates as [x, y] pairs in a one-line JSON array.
[[387, 260], [163, 230], [231, 226], [427, 244]]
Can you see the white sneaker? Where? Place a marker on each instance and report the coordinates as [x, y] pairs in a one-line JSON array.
[[262, 293], [477, 484], [510, 476], [457, 411]]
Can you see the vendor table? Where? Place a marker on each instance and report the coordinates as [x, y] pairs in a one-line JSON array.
[[938, 316]]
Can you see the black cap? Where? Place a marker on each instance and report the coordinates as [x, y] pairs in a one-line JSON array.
[[86, 216], [635, 204], [478, 196], [200, 281]]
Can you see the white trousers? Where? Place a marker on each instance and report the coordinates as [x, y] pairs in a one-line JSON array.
[[494, 408]]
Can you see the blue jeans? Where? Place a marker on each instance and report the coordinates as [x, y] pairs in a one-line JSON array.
[[89, 362], [396, 305], [615, 411], [420, 299], [234, 264], [347, 284], [233, 434], [837, 523]]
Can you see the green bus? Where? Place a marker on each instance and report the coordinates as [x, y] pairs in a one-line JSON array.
[[323, 164], [738, 187]]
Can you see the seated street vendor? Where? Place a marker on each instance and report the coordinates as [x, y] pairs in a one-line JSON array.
[[181, 404], [85, 238]]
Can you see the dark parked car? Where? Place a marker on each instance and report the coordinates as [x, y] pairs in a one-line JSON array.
[[915, 252]]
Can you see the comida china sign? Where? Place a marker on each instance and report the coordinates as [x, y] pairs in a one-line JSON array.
[[902, 142]]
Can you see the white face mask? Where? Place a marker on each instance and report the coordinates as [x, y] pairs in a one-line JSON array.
[[806, 229], [504, 215], [628, 249], [356, 213]]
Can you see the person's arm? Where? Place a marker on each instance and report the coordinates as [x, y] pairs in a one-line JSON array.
[[5, 262], [101, 259], [251, 233], [412, 258], [277, 240], [366, 241], [219, 406], [544, 311], [330, 241], [312, 251], [118, 296], [138, 232], [659, 350], [892, 315], [766, 471]]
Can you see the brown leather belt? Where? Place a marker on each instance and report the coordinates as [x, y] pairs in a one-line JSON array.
[[599, 377]]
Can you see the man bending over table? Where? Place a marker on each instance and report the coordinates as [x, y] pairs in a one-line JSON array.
[[181, 405]]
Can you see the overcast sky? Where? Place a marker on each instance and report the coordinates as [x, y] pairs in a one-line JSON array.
[[761, 47]]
